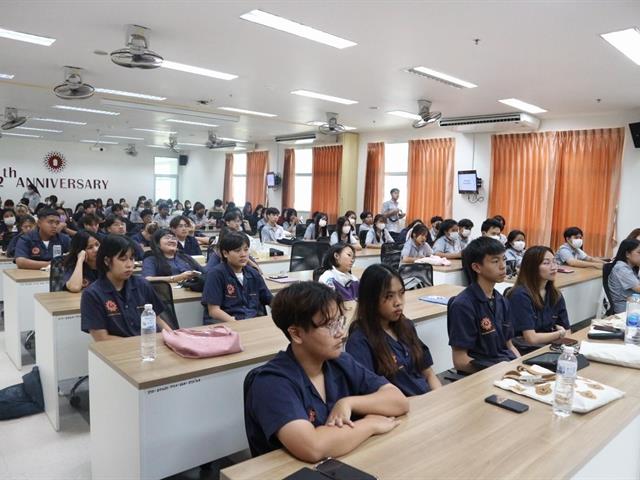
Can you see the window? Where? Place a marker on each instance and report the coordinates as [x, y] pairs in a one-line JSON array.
[[303, 184], [396, 161], [166, 177], [240, 179]]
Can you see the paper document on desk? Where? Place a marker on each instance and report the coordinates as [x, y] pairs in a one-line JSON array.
[[588, 394], [625, 355], [619, 320], [440, 300]]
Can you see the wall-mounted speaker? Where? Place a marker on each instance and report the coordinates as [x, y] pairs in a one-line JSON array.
[[635, 133], [183, 160]]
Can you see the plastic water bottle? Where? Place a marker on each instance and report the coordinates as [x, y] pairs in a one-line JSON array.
[[148, 334], [565, 381], [631, 333], [57, 251]]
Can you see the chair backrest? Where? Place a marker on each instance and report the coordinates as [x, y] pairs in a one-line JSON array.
[[321, 248], [316, 273], [331, 228], [390, 254], [362, 235], [512, 268], [304, 256], [260, 231], [165, 293], [300, 229], [56, 275], [210, 250], [606, 272], [416, 275], [397, 237]]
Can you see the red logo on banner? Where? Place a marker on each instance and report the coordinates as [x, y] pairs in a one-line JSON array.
[[55, 162]]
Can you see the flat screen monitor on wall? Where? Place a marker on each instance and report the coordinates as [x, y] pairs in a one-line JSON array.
[[467, 181]]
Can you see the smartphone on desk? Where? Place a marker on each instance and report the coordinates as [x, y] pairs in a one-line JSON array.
[[506, 403], [338, 470]]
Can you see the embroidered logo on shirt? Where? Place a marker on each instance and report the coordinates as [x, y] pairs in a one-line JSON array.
[[231, 290], [486, 325], [111, 306], [35, 251], [312, 415]]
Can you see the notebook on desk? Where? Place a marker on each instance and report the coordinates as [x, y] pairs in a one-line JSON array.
[[439, 299]]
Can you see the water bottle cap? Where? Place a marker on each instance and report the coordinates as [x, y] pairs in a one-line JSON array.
[[148, 306], [568, 350]]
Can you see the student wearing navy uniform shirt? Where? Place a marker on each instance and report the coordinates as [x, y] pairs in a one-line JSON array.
[[537, 308], [115, 225], [34, 250], [385, 341], [186, 243], [167, 263], [25, 225], [111, 306], [479, 324], [233, 290], [312, 399], [145, 236], [80, 265], [90, 223]]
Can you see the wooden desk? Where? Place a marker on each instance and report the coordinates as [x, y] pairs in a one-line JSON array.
[[452, 433], [6, 263], [19, 288], [190, 410], [62, 346]]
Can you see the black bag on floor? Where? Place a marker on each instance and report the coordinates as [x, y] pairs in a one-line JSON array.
[[22, 399]]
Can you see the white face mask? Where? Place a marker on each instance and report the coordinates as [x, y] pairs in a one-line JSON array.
[[10, 221], [495, 237], [322, 223], [465, 232], [576, 242], [381, 226], [346, 229], [454, 236], [178, 212], [352, 221], [518, 245]]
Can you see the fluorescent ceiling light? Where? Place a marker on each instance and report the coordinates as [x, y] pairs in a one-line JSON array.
[[191, 144], [122, 138], [130, 94], [442, 77], [39, 129], [157, 146], [6, 76], [237, 149], [305, 141], [319, 123], [520, 105], [248, 112], [626, 41], [186, 122], [169, 110], [322, 96], [181, 67], [233, 140], [403, 114], [87, 110], [26, 37], [295, 28], [21, 135], [55, 120], [100, 142], [154, 131]]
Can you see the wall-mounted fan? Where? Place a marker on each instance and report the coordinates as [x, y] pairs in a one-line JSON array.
[[137, 53], [12, 119], [131, 150], [332, 127], [73, 87], [172, 144], [427, 117]]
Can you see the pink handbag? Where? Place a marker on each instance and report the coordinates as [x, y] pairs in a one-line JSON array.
[[213, 341]]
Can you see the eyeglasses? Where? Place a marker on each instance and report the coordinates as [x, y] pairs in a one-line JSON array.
[[336, 326], [169, 237]]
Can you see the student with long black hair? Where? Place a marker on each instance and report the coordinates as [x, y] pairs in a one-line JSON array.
[[80, 268], [318, 228], [167, 263], [385, 341], [447, 241], [111, 306], [378, 233], [416, 247], [345, 233], [337, 264], [623, 279]]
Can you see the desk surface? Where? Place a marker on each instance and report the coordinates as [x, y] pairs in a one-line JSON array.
[[456, 265], [22, 276], [566, 279], [5, 259], [453, 433], [260, 338]]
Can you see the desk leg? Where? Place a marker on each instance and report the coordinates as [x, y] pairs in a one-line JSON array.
[[434, 334]]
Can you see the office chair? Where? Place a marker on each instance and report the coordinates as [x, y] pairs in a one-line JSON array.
[[362, 235], [165, 293], [606, 272], [304, 256], [416, 275], [390, 254], [300, 229]]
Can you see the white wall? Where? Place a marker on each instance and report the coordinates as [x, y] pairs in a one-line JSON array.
[[127, 176]]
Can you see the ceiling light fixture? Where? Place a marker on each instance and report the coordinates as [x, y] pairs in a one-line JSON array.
[[190, 144], [100, 142], [322, 96], [248, 112], [122, 138], [86, 110], [157, 146], [186, 122], [441, 77], [295, 137], [21, 135], [181, 67], [147, 107], [284, 25], [233, 140], [164, 132], [39, 129], [626, 41], [129, 94], [26, 37], [6, 76], [520, 105], [55, 120], [403, 114]]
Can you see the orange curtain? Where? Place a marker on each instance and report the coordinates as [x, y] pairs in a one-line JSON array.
[[430, 178], [523, 172], [257, 163], [326, 171], [289, 178], [227, 194], [374, 178], [587, 186]]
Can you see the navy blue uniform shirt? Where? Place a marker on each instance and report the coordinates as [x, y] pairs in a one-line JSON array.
[[102, 307], [89, 275], [281, 392], [13, 243], [32, 247], [525, 315], [178, 265], [408, 378], [191, 246], [241, 301], [139, 239], [480, 328]]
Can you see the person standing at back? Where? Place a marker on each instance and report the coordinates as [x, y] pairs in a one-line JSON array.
[[391, 210]]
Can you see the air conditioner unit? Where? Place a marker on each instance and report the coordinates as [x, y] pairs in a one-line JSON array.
[[501, 122]]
